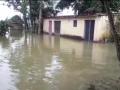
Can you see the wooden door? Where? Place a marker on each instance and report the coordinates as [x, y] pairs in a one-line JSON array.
[[92, 25], [89, 30], [50, 27], [57, 27]]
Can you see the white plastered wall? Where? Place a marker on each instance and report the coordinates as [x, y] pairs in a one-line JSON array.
[[101, 26]]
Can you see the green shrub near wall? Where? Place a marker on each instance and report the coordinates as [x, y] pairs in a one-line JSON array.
[[3, 28], [107, 37], [117, 24]]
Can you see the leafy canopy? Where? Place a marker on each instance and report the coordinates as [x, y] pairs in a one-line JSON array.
[[88, 6]]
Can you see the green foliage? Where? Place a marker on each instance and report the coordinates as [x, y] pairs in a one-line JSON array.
[[45, 5], [117, 24], [49, 11], [20, 5], [3, 28], [88, 6], [34, 8], [114, 5]]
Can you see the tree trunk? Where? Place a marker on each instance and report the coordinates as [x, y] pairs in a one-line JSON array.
[[24, 11], [33, 25], [25, 22], [40, 20], [31, 18], [36, 25], [113, 29]]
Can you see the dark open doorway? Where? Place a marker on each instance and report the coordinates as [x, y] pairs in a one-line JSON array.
[[57, 27], [50, 27], [89, 30]]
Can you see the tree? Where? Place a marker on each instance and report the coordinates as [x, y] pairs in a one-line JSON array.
[[88, 6], [21, 6], [106, 4], [97, 6], [34, 13], [38, 10]]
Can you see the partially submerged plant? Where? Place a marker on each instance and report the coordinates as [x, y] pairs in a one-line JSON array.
[[3, 28], [106, 37]]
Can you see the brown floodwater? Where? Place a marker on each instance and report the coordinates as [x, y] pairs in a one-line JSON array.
[[34, 62]]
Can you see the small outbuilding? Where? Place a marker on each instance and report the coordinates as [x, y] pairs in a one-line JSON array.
[[15, 25], [87, 27]]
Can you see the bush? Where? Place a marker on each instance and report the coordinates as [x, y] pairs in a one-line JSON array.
[[117, 24], [107, 37], [3, 28]]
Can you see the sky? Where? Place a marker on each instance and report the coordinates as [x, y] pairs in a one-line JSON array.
[[6, 12], [66, 12]]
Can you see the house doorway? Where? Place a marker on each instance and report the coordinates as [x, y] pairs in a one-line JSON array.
[[50, 27], [89, 30], [57, 27]]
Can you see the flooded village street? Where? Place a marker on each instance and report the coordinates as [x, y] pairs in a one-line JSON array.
[[60, 45], [34, 62]]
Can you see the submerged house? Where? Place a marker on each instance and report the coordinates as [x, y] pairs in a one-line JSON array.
[[87, 27]]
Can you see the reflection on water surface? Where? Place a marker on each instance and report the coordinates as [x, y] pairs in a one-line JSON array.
[[32, 62]]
